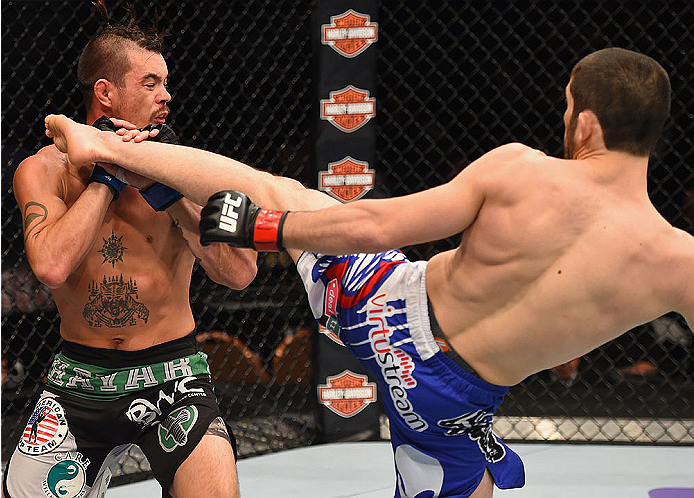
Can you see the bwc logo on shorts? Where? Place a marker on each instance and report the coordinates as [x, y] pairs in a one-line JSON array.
[[173, 430]]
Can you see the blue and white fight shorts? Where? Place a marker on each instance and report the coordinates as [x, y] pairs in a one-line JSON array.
[[440, 415]]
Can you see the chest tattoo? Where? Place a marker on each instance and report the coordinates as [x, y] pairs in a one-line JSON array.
[[112, 250], [113, 303]]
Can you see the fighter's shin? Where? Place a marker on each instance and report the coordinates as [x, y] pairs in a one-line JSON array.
[[158, 195]]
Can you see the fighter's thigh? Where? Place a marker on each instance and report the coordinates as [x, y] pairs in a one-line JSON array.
[[25, 475], [210, 470], [51, 458], [485, 488]]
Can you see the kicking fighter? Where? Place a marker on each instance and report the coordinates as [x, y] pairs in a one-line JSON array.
[[547, 244], [118, 260]]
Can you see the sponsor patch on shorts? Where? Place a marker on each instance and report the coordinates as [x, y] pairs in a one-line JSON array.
[[478, 427], [173, 430], [46, 429], [67, 478]]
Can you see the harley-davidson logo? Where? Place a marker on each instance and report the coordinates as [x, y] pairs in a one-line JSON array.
[[347, 393], [347, 179], [348, 109], [349, 33]]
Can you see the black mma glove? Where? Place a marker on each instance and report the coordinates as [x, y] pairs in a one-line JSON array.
[[99, 174], [231, 217], [158, 195]]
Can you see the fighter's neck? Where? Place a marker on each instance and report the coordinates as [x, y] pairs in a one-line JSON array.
[[96, 113], [618, 169]]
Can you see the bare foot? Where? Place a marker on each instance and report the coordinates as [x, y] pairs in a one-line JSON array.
[[77, 140]]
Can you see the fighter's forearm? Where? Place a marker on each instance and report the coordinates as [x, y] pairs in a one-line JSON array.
[[375, 225], [230, 266], [344, 229], [56, 251]]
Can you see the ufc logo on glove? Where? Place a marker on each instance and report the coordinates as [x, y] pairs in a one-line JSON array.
[[228, 218]]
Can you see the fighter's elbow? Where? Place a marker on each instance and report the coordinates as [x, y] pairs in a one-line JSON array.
[[236, 272], [243, 276], [51, 275], [286, 193]]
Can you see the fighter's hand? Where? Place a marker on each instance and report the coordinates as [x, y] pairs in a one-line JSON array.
[[131, 133], [230, 217]]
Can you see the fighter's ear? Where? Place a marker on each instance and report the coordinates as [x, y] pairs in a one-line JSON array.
[[103, 92], [588, 128]]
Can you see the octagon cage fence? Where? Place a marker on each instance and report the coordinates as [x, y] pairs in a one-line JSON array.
[[453, 80]]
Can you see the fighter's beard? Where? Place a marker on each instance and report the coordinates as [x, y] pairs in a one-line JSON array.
[[568, 149], [153, 117], [569, 143]]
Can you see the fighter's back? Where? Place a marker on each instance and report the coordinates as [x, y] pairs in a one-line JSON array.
[[562, 257]]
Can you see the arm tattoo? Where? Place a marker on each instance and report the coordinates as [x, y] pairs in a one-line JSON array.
[[33, 211], [177, 223]]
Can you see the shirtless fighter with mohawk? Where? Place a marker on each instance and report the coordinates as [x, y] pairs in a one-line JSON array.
[[119, 260]]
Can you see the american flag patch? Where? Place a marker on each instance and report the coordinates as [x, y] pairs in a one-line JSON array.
[[41, 427], [46, 428]]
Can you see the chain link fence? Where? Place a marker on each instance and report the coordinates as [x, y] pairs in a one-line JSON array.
[[455, 79]]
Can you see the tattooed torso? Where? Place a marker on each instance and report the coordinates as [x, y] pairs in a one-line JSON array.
[[131, 289]]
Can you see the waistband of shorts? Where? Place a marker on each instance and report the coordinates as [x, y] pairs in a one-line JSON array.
[[486, 387], [452, 360], [81, 377], [117, 358], [446, 346], [424, 336]]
